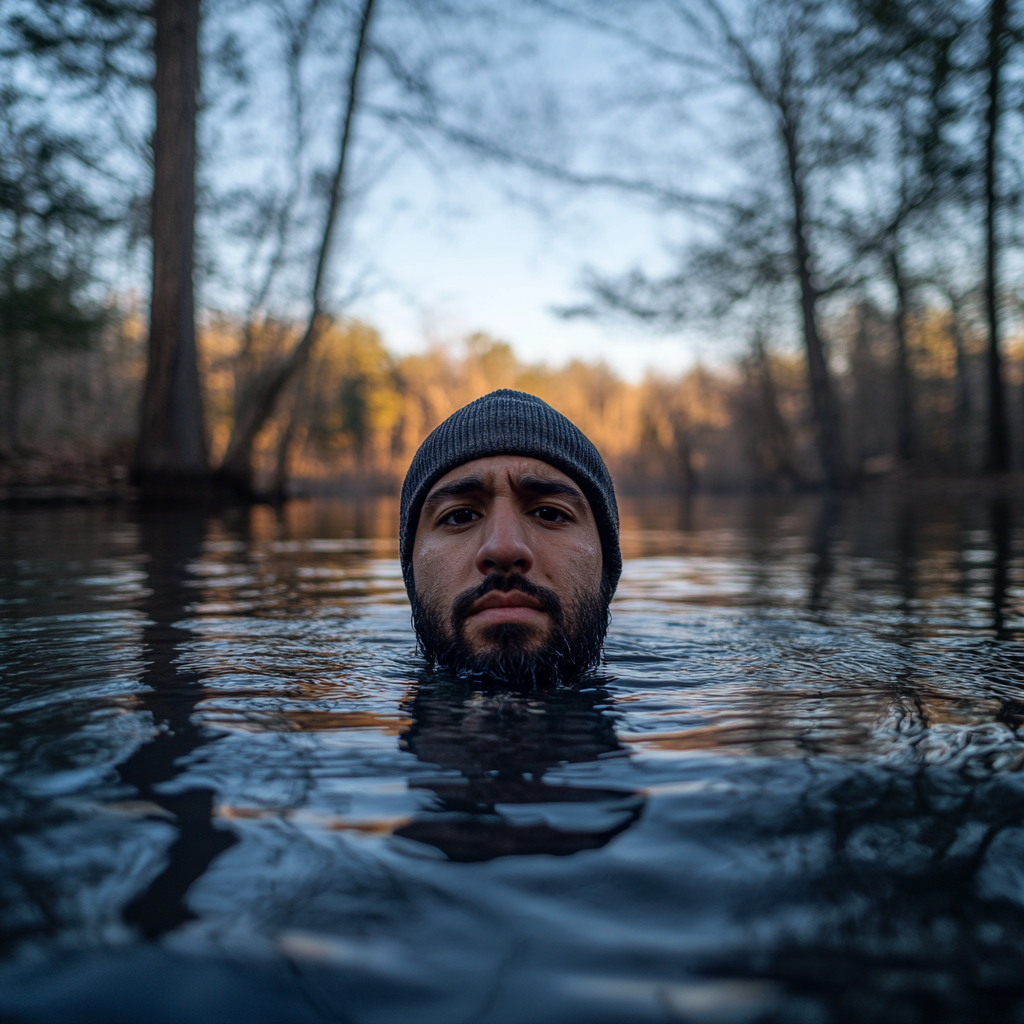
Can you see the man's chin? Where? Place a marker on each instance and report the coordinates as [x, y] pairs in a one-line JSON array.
[[506, 637], [515, 653], [511, 654]]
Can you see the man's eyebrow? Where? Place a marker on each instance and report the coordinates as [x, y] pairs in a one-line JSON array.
[[542, 485], [464, 486]]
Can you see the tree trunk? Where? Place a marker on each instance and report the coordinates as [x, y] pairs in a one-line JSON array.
[[236, 468], [685, 474], [904, 385], [962, 400], [862, 369], [823, 405], [997, 453], [286, 443], [172, 443], [11, 333], [14, 390], [780, 465], [282, 468]]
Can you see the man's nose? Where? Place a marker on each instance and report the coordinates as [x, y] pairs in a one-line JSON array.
[[504, 544]]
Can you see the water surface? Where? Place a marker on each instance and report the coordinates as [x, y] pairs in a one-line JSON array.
[[793, 792]]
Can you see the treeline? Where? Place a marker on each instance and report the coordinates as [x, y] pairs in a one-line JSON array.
[[837, 184], [352, 419], [356, 414]]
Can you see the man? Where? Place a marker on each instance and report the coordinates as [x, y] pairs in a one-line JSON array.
[[509, 542]]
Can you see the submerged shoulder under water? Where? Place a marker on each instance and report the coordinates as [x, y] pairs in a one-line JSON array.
[[794, 792]]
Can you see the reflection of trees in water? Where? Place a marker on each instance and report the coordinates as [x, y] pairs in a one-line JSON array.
[[918, 897], [902, 556], [899, 718], [915, 858], [886, 530], [1002, 553], [892, 556], [906, 565], [171, 540], [826, 525], [502, 743]]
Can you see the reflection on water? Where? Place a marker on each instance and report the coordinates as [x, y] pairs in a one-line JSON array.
[[794, 792], [169, 693], [502, 743]]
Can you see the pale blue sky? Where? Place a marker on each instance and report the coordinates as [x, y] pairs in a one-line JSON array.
[[442, 248], [500, 268]]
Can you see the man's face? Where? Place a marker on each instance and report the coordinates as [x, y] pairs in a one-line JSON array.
[[508, 569]]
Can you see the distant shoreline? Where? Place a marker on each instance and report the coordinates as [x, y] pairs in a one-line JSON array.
[[37, 480]]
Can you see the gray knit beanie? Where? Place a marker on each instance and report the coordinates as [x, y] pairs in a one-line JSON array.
[[512, 423]]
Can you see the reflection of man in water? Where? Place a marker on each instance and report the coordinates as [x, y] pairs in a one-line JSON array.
[[510, 542], [502, 743]]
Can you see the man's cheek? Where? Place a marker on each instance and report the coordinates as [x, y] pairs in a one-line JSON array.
[[443, 582], [432, 606], [431, 587]]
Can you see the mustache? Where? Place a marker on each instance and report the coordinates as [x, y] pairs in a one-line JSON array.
[[549, 601]]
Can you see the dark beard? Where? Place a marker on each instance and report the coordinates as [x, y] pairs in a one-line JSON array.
[[572, 647]]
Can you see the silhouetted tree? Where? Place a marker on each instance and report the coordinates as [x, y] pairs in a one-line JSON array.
[[172, 442], [939, 70], [999, 45]]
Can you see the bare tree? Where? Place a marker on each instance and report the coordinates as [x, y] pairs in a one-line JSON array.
[[236, 468], [783, 55], [940, 69], [784, 91]]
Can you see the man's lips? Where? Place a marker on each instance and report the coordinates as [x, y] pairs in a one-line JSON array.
[[508, 606]]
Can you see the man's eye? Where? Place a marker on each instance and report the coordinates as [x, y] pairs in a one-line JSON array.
[[462, 515], [549, 514]]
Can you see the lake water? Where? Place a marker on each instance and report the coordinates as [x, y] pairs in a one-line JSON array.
[[793, 793]]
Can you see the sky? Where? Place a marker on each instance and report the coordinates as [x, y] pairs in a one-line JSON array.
[[447, 253], [503, 269]]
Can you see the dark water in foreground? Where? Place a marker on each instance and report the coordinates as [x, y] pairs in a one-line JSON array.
[[794, 793]]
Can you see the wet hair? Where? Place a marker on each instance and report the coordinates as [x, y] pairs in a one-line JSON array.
[[572, 647]]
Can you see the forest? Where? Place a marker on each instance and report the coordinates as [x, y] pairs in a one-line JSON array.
[[182, 186]]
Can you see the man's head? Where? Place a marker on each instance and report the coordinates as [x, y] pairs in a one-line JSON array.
[[509, 542]]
